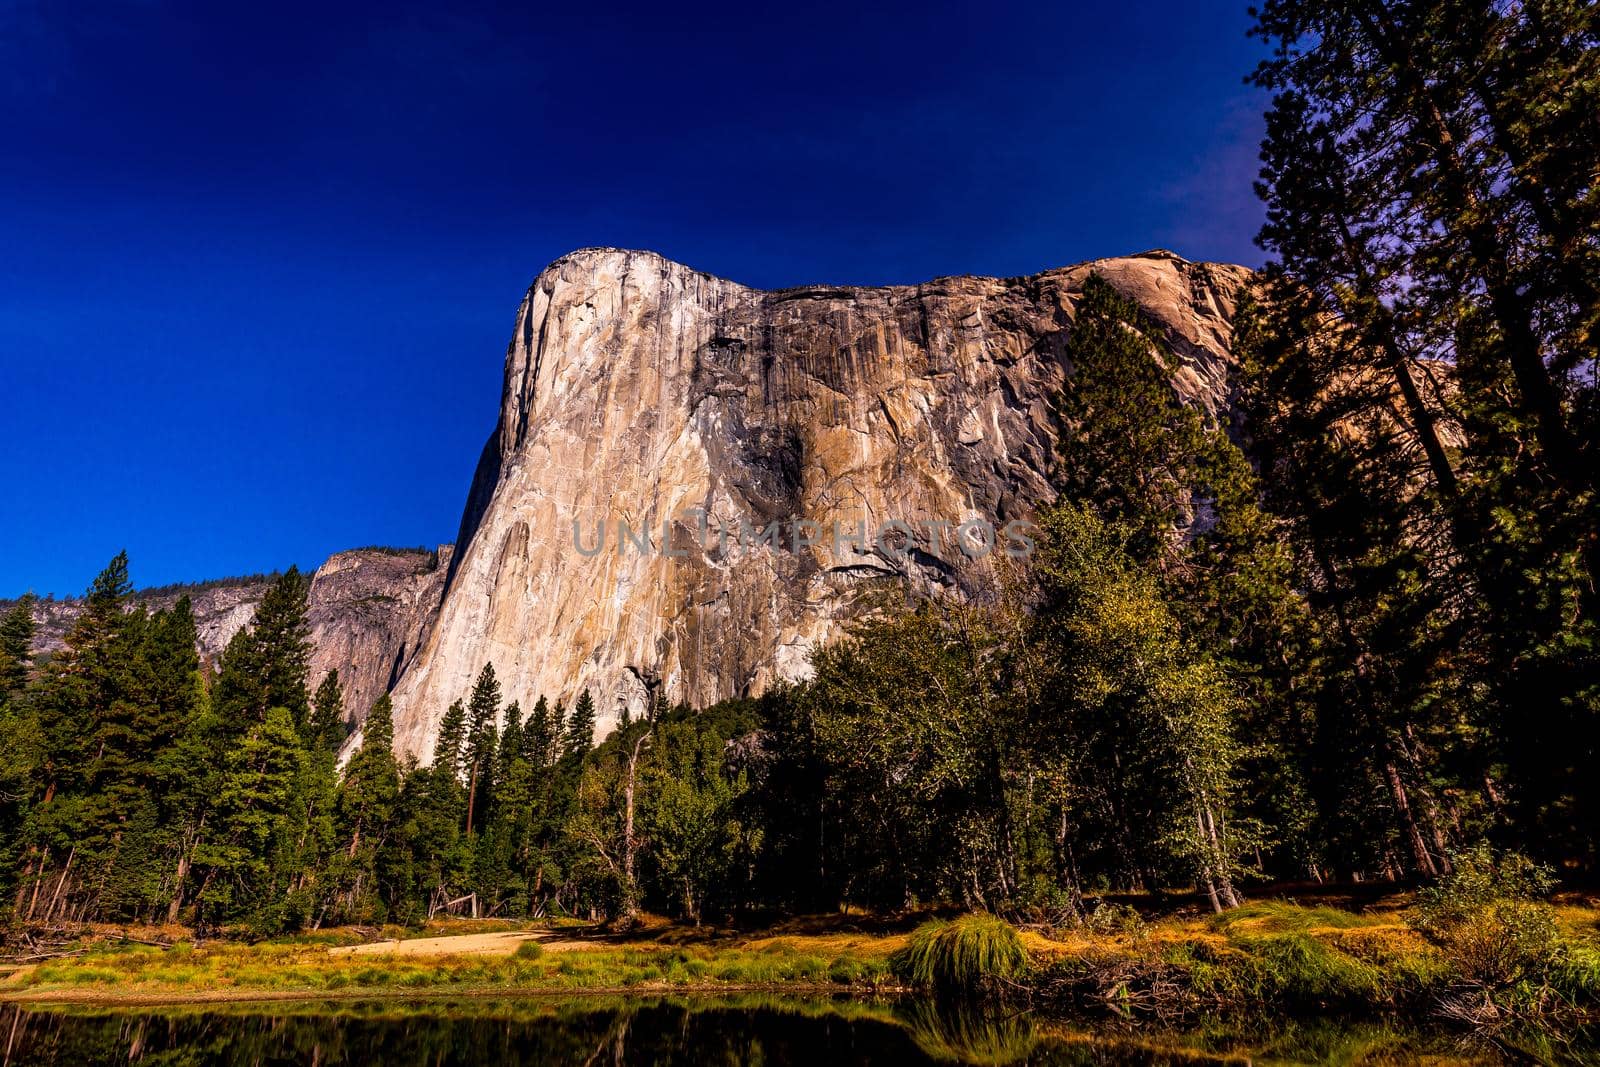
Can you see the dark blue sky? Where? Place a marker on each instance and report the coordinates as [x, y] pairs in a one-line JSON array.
[[259, 263]]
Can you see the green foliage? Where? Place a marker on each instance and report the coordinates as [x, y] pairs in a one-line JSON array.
[[580, 727], [539, 735], [191, 589], [1488, 918], [452, 735], [366, 800], [481, 743], [965, 955], [325, 729], [1130, 449], [1422, 397], [1289, 968], [239, 862], [265, 664], [1130, 692], [1111, 918], [16, 647], [908, 716], [691, 815]]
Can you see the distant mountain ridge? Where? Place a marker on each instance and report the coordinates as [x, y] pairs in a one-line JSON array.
[[369, 610]]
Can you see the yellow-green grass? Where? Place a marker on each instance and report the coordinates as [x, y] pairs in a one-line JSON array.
[[962, 956], [1283, 954], [221, 970], [1271, 952]]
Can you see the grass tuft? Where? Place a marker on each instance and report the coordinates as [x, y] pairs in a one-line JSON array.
[[962, 956]]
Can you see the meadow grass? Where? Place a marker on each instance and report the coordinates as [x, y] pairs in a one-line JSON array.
[[1266, 954], [276, 967]]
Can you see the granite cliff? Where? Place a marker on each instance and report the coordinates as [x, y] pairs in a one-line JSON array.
[[692, 483], [655, 420]]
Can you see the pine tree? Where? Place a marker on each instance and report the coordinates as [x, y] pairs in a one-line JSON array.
[[438, 800], [1421, 175], [189, 774], [77, 703], [326, 728], [367, 797], [452, 735], [255, 805], [236, 696], [539, 735], [265, 666], [580, 729], [558, 730], [314, 853], [255, 855], [1129, 446], [283, 635], [482, 742], [153, 705], [509, 840], [21, 760], [1386, 667], [16, 647], [511, 739]]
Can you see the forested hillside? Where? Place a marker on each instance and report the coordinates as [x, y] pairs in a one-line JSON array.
[[1344, 630]]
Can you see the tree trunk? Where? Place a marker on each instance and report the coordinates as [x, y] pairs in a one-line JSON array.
[[1409, 748], [1408, 822], [33, 899], [56, 896], [630, 895], [1512, 313], [175, 905]]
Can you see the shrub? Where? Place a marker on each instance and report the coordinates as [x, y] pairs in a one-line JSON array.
[[962, 956], [1044, 904], [1488, 921], [1111, 918], [528, 950]]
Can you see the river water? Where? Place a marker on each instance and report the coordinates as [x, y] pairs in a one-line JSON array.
[[749, 1030]]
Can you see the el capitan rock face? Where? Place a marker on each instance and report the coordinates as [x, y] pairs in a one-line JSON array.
[[639, 390]]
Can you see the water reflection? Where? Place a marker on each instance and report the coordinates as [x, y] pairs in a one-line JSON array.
[[769, 1031]]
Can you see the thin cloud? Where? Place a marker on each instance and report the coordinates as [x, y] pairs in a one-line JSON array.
[[1216, 211]]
